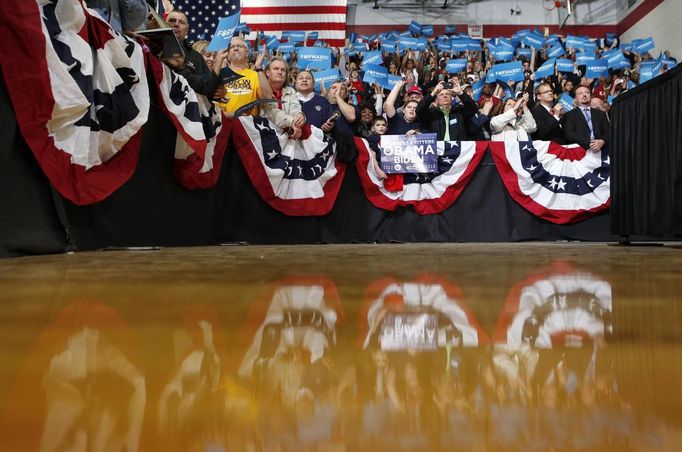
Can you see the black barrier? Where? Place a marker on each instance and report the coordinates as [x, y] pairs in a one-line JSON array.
[[646, 166]]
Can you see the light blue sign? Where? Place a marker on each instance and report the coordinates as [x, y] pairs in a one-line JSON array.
[[326, 77], [508, 71], [392, 80], [295, 36], [597, 68], [372, 57], [415, 28], [459, 45], [455, 66], [313, 35], [534, 40], [642, 46], [584, 57], [478, 89], [524, 52], [315, 58], [566, 101], [388, 46], [272, 43], [406, 42], [375, 74], [450, 29], [427, 30], [546, 70], [223, 33], [565, 65], [556, 51]]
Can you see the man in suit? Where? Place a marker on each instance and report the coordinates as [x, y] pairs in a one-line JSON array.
[[547, 115], [446, 120], [586, 126]]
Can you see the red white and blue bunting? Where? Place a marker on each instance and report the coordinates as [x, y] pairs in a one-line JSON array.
[[561, 184], [425, 193]]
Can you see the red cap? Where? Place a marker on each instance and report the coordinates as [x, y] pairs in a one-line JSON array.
[[414, 89]]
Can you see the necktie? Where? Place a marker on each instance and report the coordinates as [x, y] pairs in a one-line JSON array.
[[446, 114], [588, 118]]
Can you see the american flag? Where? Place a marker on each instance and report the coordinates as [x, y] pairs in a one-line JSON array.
[[204, 15], [328, 17]]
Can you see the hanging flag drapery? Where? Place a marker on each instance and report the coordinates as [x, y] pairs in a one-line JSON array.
[[426, 193], [202, 130], [561, 184], [79, 92], [327, 17], [296, 177]]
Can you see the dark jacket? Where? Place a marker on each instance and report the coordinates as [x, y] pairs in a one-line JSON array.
[[576, 129], [433, 120], [548, 127], [200, 78]]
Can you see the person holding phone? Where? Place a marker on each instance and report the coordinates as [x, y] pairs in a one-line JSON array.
[[444, 119]]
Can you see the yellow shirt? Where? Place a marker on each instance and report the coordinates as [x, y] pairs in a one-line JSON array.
[[241, 91]]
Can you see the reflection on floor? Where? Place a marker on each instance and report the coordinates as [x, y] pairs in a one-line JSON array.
[[343, 348]]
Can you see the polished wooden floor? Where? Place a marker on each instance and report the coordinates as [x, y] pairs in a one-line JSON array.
[[469, 347]]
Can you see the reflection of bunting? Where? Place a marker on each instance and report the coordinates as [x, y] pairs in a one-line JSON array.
[[426, 193], [425, 294], [296, 177], [79, 93], [553, 303], [202, 133], [561, 184]]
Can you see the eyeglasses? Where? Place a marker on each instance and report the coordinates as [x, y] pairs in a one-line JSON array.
[[544, 92], [237, 46]]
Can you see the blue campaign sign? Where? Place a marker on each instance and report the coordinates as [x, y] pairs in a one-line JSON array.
[[642, 46], [574, 42], [546, 70], [315, 58], [313, 35], [415, 28], [422, 43], [375, 74], [520, 34], [669, 62], [584, 57], [450, 29], [474, 44], [392, 80], [223, 33], [459, 45], [626, 46], [565, 65], [502, 53], [319, 44], [523, 52], [478, 89], [455, 66], [614, 58], [406, 42], [242, 27], [360, 46], [556, 51], [534, 40], [508, 71], [427, 30], [295, 36], [350, 52], [551, 41], [647, 71], [597, 68], [505, 42], [373, 57], [286, 48], [444, 46], [352, 37], [416, 154], [388, 46], [589, 46], [566, 101], [326, 77], [610, 37], [272, 43]]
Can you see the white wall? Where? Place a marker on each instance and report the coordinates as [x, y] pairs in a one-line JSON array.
[[590, 12], [664, 24]]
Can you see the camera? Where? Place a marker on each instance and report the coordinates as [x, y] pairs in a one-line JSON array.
[[447, 85]]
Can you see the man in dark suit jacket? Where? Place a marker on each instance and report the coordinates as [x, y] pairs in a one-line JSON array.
[[446, 120], [547, 115], [586, 126]]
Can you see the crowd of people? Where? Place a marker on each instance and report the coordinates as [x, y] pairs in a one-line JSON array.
[[427, 99]]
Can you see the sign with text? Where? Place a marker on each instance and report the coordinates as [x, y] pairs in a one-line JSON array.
[[415, 154], [508, 71], [315, 58], [375, 73], [326, 77], [223, 33], [455, 66], [475, 31], [409, 331]]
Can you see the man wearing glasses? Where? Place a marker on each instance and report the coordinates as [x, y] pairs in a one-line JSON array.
[[547, 115], [251, 86]]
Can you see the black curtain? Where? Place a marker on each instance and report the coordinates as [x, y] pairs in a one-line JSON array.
[[153, 209], [646, 165]]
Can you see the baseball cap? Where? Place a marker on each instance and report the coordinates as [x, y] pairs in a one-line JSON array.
[[413, 90]]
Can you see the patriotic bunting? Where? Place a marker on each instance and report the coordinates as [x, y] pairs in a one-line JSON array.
[[202, 130], [296, 177], [561, 184], [426, 193], [79, 92]]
